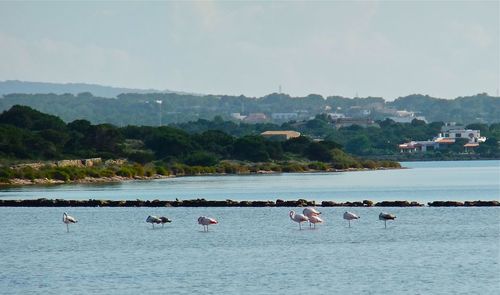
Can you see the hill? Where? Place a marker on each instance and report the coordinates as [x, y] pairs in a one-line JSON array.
[[15, 86], [140, 107]]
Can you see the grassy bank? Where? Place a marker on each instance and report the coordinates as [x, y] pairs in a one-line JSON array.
[[50, 174]]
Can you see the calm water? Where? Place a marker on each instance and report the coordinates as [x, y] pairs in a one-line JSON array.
[[251, 251], [424, 181], [259, 250]]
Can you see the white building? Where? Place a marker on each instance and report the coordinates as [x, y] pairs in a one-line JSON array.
[[453, 131], [449, 133], [238, 116], [336, 115]]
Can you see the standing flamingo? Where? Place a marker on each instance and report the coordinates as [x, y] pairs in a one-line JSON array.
[[298, 218], [164, 220], [315, 219], [206, 221], [68, 219], [350, 216], [386, 216], [311, 213], [153, 219]]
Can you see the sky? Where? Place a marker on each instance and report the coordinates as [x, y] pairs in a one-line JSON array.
[[365, 48]]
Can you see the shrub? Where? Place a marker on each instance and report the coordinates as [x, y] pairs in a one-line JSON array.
[[161, 170], [318, 166], [59, 175]]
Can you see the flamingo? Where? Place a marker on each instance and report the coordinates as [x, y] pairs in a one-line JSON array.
[[164, 220], [153, 219], [350, 216], [298, 218], [386, 216], [68, 219], [206, 221], [310, 213], [315, 219]]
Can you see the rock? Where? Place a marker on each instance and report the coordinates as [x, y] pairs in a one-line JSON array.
[[397, 204], [481, 203], [368, 203], [43, 202], [330, 204], [353, 204], [445, 204], [302, 203]]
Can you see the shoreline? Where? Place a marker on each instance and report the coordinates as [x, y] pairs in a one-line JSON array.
[[16, 182], [43, 202]]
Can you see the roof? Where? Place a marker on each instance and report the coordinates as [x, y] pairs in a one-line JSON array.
[[471, 145], [445, 140], [288, 133]]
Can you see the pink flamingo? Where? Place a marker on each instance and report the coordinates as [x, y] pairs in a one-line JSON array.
[[315, 219], [206, 221], [299, 218], [310, 213]]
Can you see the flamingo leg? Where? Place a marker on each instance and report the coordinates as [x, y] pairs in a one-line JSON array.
[[385, 223], [67, 227], [349, 223]]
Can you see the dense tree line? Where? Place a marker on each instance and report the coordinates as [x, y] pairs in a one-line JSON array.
[[30, 134], [377, 141], [143, 109]]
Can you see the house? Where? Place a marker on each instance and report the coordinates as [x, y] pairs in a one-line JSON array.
[[403, 116], [418, 146], [237, 116], [469, 147], [346, 122], [335, 115], [255, 118], [450, 132], [284, 116], [280, 135]]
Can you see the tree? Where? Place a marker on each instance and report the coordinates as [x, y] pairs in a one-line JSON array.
[[318, 152], [201, 158], [359, 145], [251, 148]]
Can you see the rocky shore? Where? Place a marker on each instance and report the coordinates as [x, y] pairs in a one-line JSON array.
[[231, 203]]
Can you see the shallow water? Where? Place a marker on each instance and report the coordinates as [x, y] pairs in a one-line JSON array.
[[251, 251], [423, 182]]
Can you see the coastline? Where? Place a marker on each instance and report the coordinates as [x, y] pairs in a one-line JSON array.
[[43, 202], [118, 179]]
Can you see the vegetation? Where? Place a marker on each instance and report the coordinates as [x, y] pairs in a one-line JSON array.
[[372, 142], [143, 109], [27, 134]]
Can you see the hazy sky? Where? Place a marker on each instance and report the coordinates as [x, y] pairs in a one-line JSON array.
[[389, 49]]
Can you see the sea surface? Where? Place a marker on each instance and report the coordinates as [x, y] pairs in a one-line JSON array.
[[251, 251], [422, 181], [260, 250]]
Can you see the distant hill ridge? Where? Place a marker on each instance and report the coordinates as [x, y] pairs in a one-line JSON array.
[[133, 107], [16, 86]]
